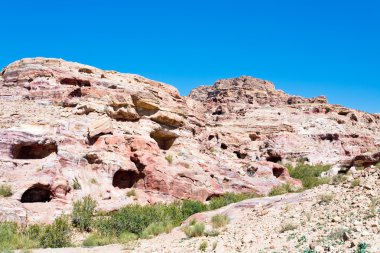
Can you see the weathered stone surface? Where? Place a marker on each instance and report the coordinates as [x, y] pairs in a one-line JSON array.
[[65, 124], [100, 126]]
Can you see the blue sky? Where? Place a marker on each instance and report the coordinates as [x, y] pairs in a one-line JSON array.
[[307, 47]]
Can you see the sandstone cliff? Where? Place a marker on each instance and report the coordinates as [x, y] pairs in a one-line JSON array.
[[69, 130]]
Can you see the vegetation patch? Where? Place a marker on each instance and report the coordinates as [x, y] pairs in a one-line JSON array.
[[82, 213], [219, 221], [288, 227], [229, 198], [309, 174], [5, 191], [194, 229]]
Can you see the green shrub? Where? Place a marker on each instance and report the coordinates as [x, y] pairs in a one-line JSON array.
[[229, 198], [309, 174], [76, 184], [287, 227], [195, 230], [203, 246], [338, 179], [282, 189], [325, 198], [83, 213], [98, 240], [219, 220], [136, 218], [375, 202], [56, 235], [190, 207], [355, 183], [11, 238], [155, 229], [361, 248], [212, 233], [131, 193], [169, 158], [5, 191]]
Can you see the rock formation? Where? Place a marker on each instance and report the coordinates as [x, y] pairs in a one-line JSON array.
[[69, 130]]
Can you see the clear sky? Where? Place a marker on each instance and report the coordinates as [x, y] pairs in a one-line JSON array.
[[306, 47]]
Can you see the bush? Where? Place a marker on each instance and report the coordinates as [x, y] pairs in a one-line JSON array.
[[309, 174], [219, 221], [355, 183], [190, 207], [212, 233], [131, 193], [325, 198], [76, 184], [56, 235], [194, 230], [229, 198], [169, 158], [11, 238], [287, 227], [155, 229], [136, 218], [98, 240], [203, 246], [5, 191], [282, 189], [82, 213]]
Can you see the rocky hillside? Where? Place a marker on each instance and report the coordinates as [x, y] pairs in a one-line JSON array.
[[69, 130], [343, 217]]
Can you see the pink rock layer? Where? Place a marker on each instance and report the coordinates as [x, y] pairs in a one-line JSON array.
[[70, 130]]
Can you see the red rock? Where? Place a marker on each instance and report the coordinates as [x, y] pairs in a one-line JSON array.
[[63, 122]]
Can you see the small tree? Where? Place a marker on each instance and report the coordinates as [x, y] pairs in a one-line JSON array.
[[83, 212]]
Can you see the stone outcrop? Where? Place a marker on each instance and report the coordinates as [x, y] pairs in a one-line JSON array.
[[68, 130]]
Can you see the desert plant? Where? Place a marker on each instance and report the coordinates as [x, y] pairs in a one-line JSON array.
[[361, 248], [355, 183], [325, 198], [155, 229], [11, 238], [375, 202], [5, 191], [287, 227], [212, 233], [83, 213], [338, 179], [136, 218], [93, 181], [309, 174], [190, 207], [96, 239], [282, 189], [56, 235], [219, 220], [203, 246], [229, 198], [76, 184], [195, 230], [131, 193], [169, 158], [214, 244]]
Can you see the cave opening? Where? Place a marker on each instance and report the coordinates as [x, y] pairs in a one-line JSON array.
[[38, 193], [76, 82], [164, 139], [125, 179], [33, 150], [278, 172]]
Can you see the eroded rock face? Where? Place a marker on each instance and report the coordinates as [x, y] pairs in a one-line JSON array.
[[69, 130]]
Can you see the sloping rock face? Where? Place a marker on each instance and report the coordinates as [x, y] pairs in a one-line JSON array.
[[69, 130], [249, 115]]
